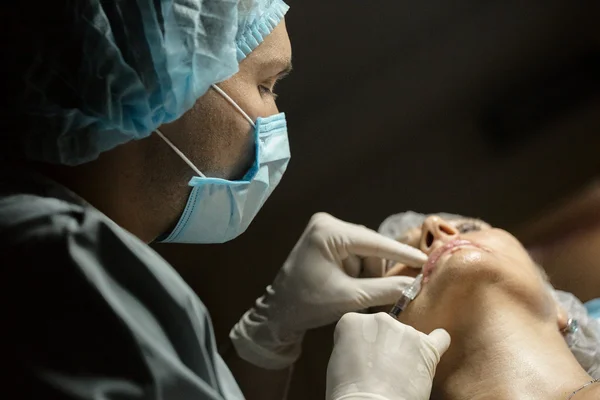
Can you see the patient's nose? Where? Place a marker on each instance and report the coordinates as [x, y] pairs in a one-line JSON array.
[[435, 232]]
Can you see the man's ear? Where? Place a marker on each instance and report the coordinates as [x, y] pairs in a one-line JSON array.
[[561, 317]]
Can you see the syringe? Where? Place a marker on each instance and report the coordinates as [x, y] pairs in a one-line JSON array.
[[408, 295]]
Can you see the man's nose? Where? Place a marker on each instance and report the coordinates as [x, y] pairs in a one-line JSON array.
[[435, 232]]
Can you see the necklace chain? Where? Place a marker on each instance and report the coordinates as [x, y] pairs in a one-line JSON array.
[[583, 387]]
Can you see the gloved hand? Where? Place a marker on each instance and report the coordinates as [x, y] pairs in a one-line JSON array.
[[316, 286], [377, 357]]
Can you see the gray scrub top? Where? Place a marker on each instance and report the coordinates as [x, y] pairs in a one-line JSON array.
[[91, 312]]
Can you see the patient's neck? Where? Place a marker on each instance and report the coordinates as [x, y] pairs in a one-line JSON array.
[[507, 355]]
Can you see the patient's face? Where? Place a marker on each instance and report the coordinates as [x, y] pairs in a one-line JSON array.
[[469, 261]]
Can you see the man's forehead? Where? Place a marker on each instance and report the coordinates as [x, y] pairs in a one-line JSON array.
[[275, 52], [280, 65]]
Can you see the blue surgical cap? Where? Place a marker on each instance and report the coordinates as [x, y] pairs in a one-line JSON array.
[[94, 74], [257, 20]]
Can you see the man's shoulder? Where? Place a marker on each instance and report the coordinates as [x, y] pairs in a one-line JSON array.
[[22, 214], [30, 209]]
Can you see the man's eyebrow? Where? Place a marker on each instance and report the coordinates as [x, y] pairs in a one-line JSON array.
[[276, 67], [285, 71]]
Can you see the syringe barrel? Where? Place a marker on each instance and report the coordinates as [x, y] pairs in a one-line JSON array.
[[400, 306]]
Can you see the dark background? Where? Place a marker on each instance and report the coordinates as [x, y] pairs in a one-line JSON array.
[[484, 108]]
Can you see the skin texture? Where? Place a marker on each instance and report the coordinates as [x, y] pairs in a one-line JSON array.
[[505, 327], [146, 188]]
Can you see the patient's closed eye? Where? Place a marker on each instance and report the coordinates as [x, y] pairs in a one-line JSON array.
[[469, 226]]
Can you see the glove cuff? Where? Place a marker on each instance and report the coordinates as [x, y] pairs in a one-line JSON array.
[[255, 343]]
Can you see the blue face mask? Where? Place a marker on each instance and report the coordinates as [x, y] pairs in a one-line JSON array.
[[219, 210]]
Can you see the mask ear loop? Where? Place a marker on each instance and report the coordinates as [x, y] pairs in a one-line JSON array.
[[234, 104], [180, 154]]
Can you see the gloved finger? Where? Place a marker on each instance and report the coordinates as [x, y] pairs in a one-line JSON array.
[[440, 339], [402, 269], [367, 243], [371, 292], [348, 323], [352, 265], [372, 267]]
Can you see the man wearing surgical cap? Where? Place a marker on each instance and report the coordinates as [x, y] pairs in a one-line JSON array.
[[128, 122]]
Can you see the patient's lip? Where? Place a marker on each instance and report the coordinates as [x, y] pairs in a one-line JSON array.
[[439, 252]]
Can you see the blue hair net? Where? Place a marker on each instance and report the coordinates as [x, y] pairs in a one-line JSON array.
[[257, 20], [93, 74]]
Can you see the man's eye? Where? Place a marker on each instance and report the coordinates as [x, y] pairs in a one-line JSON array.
[[468, 226], [266, 91]]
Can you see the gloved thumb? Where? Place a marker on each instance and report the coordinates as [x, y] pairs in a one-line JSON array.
[[440, 340], [372, 292]]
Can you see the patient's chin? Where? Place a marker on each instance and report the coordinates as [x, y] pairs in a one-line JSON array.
[[452, 278], [455, 281], [467, 267]]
